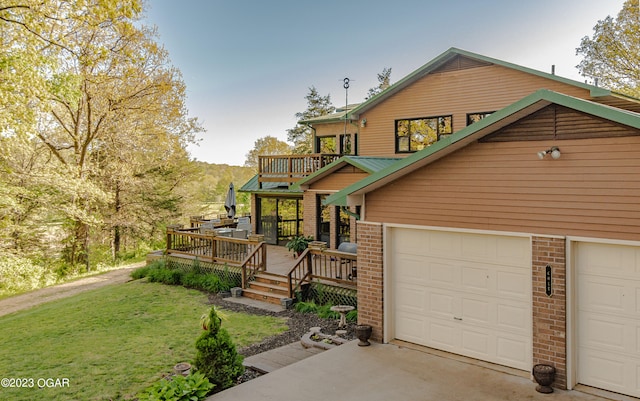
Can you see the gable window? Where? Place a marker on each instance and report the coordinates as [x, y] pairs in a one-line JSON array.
[[418, 133], [475, 117]]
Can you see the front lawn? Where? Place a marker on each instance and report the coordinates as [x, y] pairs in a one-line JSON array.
[[110, 343]]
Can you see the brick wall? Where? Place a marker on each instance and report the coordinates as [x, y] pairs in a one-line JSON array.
[[309, 203], [549, 313], [370, 293]]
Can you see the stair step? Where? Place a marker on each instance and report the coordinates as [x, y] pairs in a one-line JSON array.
[[272, 279], [263, 296], [270, 288]]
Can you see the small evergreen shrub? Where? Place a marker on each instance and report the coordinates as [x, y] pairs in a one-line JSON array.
[[216, 355], [193, 387]]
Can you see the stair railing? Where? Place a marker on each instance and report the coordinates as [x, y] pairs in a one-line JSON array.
[[256, 261], [300, 273]]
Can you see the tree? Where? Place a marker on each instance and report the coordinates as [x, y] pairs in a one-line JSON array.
[[301, 135], [612, 55], [108, 116], [216, 355], [268, 145], [384, 81]]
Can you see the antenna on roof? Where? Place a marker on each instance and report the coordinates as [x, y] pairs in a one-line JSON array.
[[345, 85], [553, 69]]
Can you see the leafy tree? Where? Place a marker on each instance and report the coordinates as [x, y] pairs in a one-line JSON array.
[[612, 55], [301, 135], [107, 127], [269, 145], [384, 81]]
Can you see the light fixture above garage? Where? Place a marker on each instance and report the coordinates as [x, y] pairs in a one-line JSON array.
[[554, 151]]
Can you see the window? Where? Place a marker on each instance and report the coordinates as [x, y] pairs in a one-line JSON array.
[[348, 144], [475, 117], [326, 144], [418, 133]]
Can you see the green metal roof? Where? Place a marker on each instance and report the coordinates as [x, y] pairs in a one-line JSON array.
[[366, 163], [272, 188], [495, 121]]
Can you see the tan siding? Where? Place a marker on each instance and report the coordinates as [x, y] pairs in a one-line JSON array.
[[454, 93], [557, 122], [339, 179], [592, 190]]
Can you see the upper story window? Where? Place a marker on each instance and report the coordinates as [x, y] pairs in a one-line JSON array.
[[344, 144], [475, 117], [418, 133]]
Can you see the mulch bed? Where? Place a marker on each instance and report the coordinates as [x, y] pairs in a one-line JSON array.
[[299, 324]]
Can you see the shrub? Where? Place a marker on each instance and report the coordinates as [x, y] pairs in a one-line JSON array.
[[19, 274], [216, 356], [324, 311], [191, 388]]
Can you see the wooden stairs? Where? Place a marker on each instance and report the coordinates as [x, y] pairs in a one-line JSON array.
[[268, 287]]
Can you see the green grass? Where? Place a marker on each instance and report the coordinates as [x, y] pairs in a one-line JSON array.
[[113, 342]]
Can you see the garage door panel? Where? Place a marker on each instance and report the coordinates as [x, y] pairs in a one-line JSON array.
[[410, 327], [411, 299], [476, 311], [609, 259], [603, 333], [441, 304], [516, 285], [410, 269], [440, 273], [475, 279], [443, 335], [513, 351], [478, 296], [475, 343], [514, 318]]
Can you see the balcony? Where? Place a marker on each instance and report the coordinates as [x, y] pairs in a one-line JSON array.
[[291, 168]]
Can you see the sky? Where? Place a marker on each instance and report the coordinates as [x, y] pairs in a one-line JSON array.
[[248, 65]]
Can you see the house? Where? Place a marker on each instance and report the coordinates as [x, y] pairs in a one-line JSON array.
[[502, 219]]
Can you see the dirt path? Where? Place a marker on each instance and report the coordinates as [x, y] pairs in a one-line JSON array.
[[37, 297]]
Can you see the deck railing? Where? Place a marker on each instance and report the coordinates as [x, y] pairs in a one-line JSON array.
[[212, 248], [291, 168], [323, 265]]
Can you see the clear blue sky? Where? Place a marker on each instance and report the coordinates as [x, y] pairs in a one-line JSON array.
[[249, 64]]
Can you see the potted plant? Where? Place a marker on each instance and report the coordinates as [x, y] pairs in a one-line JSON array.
[[298, 244]]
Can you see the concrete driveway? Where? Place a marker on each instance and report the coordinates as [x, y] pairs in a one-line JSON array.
[[388, 372]]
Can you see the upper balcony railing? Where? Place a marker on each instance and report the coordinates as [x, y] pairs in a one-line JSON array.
[[291, 168]]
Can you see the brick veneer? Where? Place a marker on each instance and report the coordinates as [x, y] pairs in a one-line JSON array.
[[549, 313], [370, 293], [310, 205]]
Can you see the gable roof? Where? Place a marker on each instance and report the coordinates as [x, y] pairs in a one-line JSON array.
[[364, 163], [441, 62], [475, 131]]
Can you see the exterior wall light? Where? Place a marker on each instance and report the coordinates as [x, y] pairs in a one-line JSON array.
[[553, 151], [363, 122]]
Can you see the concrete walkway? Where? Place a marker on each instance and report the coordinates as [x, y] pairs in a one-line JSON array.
[[387, 372]]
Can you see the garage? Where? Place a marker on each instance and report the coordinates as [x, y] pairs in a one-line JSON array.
[[608, 307], [463, 292]]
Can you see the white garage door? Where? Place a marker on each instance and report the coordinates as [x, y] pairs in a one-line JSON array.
[[609, 316], [465, 293]]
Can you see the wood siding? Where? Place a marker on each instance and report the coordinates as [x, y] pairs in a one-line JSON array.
[[593, 190], [457, 93], [339, 179], [557, 122]]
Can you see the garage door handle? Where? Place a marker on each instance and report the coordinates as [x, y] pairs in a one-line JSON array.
[[457, 318]]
